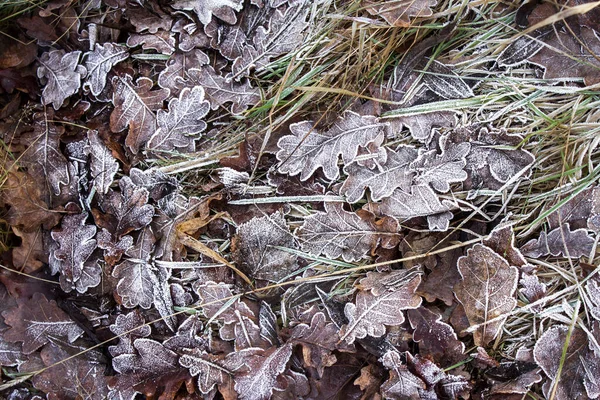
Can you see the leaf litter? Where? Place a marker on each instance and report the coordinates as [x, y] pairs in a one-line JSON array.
[[292, 199]]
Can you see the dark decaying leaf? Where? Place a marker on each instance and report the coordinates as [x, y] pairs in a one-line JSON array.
[[76, 244], [436, 339], [308, 149], [502, 241], [220, 91], [561, 241], [61, 74], [339, 233], [398, 12], [179, 127], [99, 63], [579, 374], [486, 291], [34, 321], [255, 248], [370, 314], [392, 174], [103, 166], [134, 109], [128, 327]]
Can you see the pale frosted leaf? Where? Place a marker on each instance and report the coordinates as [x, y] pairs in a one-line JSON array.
[[421, 125], [420, 202], [161, 294], [444, 82], [267, 322], [44, 158], [211, 369], [190, 335], [592, 288], [264, 375], [398, 12], [134, 109], [440, 170], [392, 174], [150, 357], [339, 233], [161, 41], [532, 289], [402, 384], [174, 77], [219, 91], [370, 314], [308, 149], [128, 327], [103, 166], [254, 248], [99, 63], [135, 285], [182, 124], [285, 33], [34, 321], [436, 339], [61, 74], [380, 283], [561, 241], [158, 184], [486, 290], [578, 379], [76, 244], [206, 9], [10, 353], [518, 51]]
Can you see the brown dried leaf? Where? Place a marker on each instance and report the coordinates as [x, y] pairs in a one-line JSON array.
[[134, 109], [370, 314], [307, 149], [402, 384], [161, 41], [436, 339], [34, 321], [61, 74], [561, 241], [31, 255], [339, 233], [486, 291], [175, 76]]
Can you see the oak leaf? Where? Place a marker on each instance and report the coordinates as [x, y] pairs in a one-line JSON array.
[[76, 244], [103, 166], [179, 127], [398, 12], [211, 369], [150, 357], [220, 91], [206, 9], [34, 321], [308, 149], [99, 62], [161, 41], [61, 74], [339, 233], [175, 75], [392, 174], [134, 109], [440, 170], [370, 314], [128, 327], [561, 241], [486, 290], [402, 384]]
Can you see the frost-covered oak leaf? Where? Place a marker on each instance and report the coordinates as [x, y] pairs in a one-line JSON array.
[[134, 109], [486, 290], [61, 74], [402, 384], [34, 321], [308, 149], [440, 170], [398, 12], [179, 127], [561, 241], [76, 244], [387, 176], [103, 165], [370, 314], [99, 63], [206, 9], [264, 375], [339, 233]]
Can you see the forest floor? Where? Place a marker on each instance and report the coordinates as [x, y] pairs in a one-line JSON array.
[[296, 199]]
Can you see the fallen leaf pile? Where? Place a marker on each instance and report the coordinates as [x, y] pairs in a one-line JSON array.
[[374, 282]]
